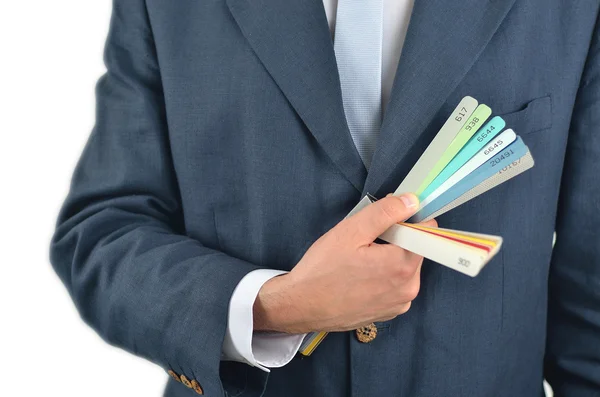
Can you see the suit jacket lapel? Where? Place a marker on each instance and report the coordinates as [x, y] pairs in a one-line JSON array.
[[443, 41], [293, 41]]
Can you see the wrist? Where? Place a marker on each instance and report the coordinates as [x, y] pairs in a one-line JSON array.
[[277, 307]]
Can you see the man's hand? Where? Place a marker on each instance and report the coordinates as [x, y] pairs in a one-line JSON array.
[[345, 280]]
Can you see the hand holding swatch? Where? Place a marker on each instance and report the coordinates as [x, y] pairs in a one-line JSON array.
[[472, 163], [466, 158]]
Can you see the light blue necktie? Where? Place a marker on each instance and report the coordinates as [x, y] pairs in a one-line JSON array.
[[357, 45]]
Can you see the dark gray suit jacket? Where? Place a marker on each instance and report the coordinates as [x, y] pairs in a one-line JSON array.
[[221, 147]]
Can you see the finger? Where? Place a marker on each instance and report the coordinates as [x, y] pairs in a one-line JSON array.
[[403, 308], [429, 223], [366, 225], [413, 258], [419, 266]]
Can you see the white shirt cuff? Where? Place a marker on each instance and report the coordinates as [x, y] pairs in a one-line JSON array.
[[263, 350]]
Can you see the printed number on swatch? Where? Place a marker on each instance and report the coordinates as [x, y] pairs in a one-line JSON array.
[[464, 262], [491, 148], [472, 124], [504, 155], [508, 167], [461, 114]]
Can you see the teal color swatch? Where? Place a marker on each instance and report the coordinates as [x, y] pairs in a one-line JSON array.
[[475, 144], [479, 116], [512, 152]]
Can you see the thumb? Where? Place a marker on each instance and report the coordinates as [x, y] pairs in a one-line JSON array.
[[367, 224]]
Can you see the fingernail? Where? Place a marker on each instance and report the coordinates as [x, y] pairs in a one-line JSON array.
[[410, 200]]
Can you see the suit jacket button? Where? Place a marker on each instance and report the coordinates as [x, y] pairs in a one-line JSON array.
[[173, 375], [186, 382], [366, 334], [196, 387]]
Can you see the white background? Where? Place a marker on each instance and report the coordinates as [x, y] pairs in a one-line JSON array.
[[50, 59]]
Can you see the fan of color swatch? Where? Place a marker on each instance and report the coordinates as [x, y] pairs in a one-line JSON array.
[[470, 155]]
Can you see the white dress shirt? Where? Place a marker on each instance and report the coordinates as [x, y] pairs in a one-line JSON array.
[[272, 350]]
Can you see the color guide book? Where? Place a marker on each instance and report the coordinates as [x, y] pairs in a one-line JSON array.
[[472, 153]]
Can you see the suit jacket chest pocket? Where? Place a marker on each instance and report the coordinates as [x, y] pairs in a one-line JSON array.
[[532, 117]]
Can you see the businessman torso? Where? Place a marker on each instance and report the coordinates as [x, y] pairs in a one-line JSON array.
[[265, 164]]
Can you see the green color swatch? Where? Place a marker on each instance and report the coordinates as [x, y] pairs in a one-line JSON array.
[[476, 143], [479, 116]]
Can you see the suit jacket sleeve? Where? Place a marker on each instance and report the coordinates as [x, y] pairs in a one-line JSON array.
[[573, 339], [120, 246]]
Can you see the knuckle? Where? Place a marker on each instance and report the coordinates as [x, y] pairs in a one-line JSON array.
[[405, 270], [412, 290], [417, 263], [405, 307], [411, 259]]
